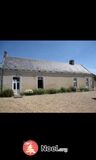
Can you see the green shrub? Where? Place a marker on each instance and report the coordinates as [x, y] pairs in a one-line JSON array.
[[68, 90], [62, 89], [7, 93], [84, 89], [38, 91], [58, 90], [72, 89], [51, 91], [27, 93], [81, 89]]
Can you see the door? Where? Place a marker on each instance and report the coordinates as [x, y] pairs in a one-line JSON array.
[[16, 85]]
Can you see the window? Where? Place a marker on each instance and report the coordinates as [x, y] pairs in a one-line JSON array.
[[40, 82], [87, 82], [75, 82]]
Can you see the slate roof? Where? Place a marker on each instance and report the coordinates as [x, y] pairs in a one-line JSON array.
[[47, 66]]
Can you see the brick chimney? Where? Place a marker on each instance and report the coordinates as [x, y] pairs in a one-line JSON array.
[[5, 55]]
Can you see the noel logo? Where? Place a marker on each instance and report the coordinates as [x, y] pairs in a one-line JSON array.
[[30, 147]]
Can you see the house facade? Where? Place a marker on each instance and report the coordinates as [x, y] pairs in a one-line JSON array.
[[20, 74]]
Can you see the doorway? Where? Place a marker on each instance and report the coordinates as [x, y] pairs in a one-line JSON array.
[[16, 85]]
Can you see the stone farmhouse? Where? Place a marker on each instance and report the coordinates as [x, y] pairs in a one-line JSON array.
[[20, 74]]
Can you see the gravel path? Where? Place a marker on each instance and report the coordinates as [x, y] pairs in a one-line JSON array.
[[62, 102]]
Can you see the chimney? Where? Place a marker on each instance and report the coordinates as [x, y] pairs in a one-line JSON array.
[[71, 62], [5, 54]]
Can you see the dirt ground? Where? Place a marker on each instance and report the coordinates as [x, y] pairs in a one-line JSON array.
[[62, 102]]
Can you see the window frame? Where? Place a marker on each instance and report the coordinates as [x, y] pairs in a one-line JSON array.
[[75, 84], [43, 78], [87, 82]]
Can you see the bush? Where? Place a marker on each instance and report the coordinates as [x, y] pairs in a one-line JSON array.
[[62, 89], [27, 92], [84, 89], [68, 90], [58, 90], [38, 91], [7, 93], [81, 89], [72, 89], [51, 91]]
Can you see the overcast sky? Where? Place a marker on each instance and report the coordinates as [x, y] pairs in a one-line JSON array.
[[83, 52]]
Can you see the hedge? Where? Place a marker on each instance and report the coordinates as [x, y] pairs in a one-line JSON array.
[[52, 91]]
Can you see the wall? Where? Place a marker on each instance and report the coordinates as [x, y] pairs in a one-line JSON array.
[[94, 85], [7, 82], [57, 82], [28, 83], [0, 78], [29, 80]]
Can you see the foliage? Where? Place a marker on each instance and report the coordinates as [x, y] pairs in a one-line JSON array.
[[62, 89], [27, 92], [84, 89], [72, 89], [7, 93], [68, 90], [51, 91], [38, 91]]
